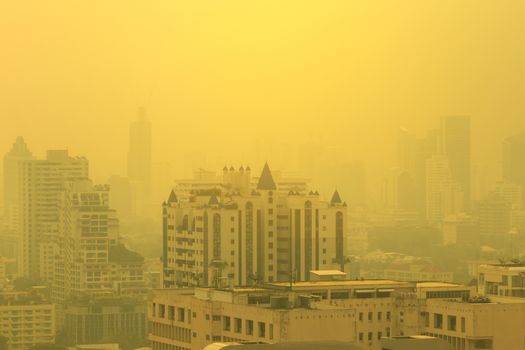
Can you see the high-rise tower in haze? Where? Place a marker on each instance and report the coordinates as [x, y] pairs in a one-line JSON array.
[[139, 159], [514, 159], [40, 185], [12, 160], [455, 144]]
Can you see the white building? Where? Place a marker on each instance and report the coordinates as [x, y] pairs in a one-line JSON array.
[[238, 235], [40, 184]]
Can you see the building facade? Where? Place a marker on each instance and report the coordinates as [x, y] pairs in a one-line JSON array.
[[26, 319], [241, 235]]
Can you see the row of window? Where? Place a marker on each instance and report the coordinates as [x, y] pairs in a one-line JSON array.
[[248, 327], [370, 335], [379, 316]]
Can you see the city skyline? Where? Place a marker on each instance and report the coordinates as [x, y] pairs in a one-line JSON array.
[[205, 175]]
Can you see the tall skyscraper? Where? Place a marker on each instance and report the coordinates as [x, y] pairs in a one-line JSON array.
[[12, 160], [41, 182], [443, 196], [413, 154], [139, 160], [455, 144], [513, 159]]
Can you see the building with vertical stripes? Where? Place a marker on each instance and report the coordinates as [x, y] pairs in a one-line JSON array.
[[240, 234]]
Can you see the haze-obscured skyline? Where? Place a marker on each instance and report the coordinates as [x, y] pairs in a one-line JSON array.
[[221, 77]]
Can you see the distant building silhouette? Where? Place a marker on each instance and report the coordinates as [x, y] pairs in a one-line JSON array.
[[12, 166], [455, 144], [140, 160]]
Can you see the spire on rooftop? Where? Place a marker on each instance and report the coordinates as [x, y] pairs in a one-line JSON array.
[[173, 197], [336, 199], [266, 180]]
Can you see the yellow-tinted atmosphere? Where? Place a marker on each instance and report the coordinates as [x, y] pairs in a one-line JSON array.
[[237, 79]]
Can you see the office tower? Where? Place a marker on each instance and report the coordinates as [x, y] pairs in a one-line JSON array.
[[399, 191], [494, 214], [19, 152], [413, 154], [460, 229], [139, 161], [407, 144], [41, 182], [443, 196], [241, 235], [92, 260], [455, 144], [513, 164]]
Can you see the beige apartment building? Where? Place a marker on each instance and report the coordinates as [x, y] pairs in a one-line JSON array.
[[238, 235], [26, 319], [504, 279], [361, 311], [92, 259]]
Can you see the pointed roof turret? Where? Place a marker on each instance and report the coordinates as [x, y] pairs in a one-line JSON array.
[[173, 197], [232, 168], [248, 168], [241, 168], [266, 180], [225, 168], [336, 199]]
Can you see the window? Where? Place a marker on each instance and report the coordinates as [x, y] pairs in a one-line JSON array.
[[271, 331], [226, 323], [270, 211], [505, 280], [438, 321], [171, 312], [388, 315], [370, 316], [379, 316], [216, 317], [463, 324], [249, 327], [370, 336], [262, 329], [379, 335], [451, 323], [388, 332], [162, 310], [180, 314], [360, 337], [238, 325], [360, 316]]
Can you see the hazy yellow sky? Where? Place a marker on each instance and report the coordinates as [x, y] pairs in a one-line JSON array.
[[215, 75]]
